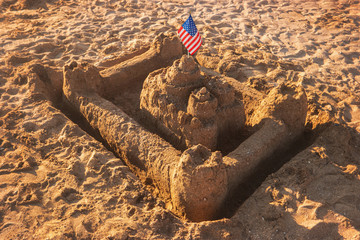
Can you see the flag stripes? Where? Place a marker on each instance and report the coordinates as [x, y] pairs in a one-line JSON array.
[[190, 36]]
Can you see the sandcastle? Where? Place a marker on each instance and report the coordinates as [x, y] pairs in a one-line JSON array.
[[190, 108]]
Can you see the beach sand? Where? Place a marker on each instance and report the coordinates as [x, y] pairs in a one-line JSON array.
[[58, 181]]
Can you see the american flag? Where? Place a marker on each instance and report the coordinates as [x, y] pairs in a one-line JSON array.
[[190, 36]]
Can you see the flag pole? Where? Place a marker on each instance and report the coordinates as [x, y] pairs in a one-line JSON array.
[[188, 49]]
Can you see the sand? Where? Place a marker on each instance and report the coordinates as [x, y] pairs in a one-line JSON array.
[[59, 180]]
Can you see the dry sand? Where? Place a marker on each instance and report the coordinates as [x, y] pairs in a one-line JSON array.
[[58, 182]]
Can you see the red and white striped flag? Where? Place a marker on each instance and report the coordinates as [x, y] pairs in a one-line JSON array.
[[190, 36]]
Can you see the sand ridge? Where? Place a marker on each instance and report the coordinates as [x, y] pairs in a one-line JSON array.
[[57, 182]]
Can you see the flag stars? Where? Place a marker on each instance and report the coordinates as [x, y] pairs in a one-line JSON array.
[[190, 27]]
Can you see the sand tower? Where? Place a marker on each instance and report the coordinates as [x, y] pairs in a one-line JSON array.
[[190, 108]]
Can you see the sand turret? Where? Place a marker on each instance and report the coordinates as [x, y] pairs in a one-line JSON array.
[[188, 107]]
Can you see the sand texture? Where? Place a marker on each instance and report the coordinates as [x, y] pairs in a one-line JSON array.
[[109, 131]]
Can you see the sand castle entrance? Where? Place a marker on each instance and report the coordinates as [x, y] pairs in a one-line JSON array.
[[193, 134]]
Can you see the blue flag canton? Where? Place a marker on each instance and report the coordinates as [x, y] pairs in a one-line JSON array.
[[189, 26]]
